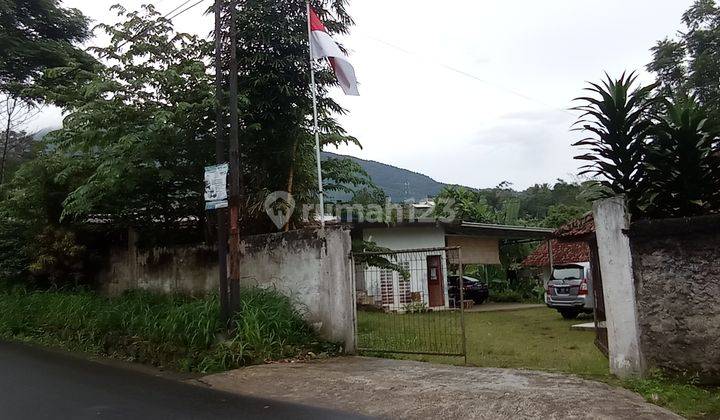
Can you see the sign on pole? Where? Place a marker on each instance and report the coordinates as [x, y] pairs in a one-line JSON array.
[[216, 187]]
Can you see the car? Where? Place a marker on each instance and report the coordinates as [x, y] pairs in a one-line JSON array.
[[569, 290], [474, 290]]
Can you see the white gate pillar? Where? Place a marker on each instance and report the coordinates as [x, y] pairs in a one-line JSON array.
[[611, 220]]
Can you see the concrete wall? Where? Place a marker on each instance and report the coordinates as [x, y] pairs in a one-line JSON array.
[[611, 222], [314, 271], [677, 274]]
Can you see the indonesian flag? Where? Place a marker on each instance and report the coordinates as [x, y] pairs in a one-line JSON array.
[[323, 46]]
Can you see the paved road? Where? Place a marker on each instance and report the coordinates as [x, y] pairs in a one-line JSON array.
[[37, 384]]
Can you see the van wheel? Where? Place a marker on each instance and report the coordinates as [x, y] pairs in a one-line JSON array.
[[569, 314]]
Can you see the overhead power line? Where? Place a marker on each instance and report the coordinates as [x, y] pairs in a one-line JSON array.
[[467, 74], [165, 16]]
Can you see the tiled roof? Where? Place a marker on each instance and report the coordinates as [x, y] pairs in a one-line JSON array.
[[578, 228], [569, 247], [563, 253]]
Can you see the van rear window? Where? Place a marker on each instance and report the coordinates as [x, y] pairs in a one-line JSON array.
[[567, 273]]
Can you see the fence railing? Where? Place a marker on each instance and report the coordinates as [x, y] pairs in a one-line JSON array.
[[410, 301]]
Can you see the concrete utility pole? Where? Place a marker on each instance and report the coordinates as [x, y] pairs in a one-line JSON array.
[[235, 175], [222, 227]]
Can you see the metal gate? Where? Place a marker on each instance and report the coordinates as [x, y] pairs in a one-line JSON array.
[[601, 335], [410, 301]]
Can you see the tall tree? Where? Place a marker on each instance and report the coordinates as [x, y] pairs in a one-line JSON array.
[[37, 35], [140, 131], [15, 144], [690, 65], [277, 143]]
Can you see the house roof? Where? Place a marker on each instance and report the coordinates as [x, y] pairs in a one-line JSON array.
[[501, 231], [580, 228], [471, 229], [564, 252], [569, 246]]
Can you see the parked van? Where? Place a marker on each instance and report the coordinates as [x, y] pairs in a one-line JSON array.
[[569, 290]]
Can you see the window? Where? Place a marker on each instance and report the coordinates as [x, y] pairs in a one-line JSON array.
[[387, 289], [404, 284]]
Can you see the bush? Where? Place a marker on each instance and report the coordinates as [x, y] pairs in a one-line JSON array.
[[174, 331]]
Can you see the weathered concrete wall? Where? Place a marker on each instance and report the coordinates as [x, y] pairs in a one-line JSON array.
[[677, 274], [611, 221], [314, 271]]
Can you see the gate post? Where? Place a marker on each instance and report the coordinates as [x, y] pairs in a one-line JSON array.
[[461, 285], [611, 223]]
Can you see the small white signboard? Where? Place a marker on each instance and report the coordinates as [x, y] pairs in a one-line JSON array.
[[216, 186]]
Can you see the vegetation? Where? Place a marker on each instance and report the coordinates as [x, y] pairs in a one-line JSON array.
[[681, 396], [170, 331], [689, 66], [36, 36], [659, 145], [140, 128]]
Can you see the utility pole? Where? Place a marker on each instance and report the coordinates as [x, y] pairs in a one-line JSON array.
[[222, 227], [235, 175]]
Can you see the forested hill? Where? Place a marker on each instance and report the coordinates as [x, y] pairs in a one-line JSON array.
[[399, 184]]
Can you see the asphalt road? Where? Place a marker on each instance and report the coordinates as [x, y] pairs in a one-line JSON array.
[[38, 384]]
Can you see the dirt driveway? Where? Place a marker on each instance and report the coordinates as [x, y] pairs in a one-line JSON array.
[[414, 390]]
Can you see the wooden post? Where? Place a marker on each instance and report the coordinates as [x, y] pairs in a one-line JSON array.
[[222, 231], [234, 196]]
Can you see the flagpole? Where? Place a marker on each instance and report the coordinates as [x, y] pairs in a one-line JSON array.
[[316, 130]]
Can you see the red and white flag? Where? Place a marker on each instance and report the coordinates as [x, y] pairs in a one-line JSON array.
[[323, 46]]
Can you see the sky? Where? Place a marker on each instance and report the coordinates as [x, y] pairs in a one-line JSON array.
[[471, 92]]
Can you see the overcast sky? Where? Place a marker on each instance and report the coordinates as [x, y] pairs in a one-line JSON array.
[[472, 92]]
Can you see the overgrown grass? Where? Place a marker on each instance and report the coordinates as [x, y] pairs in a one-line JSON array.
[[536, 338], [685, 398], [171, 331]]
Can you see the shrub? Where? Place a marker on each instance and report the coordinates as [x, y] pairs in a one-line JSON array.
[[175, 331]]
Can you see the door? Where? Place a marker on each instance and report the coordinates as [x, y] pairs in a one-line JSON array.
[[436, 289]]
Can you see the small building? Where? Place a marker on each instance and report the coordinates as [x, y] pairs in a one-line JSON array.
[[422, 256]]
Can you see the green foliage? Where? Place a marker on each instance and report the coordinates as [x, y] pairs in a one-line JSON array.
[[173, 331], [561, 214], [661, 154], [683, 171], [679, 395], [371, 254], [139, 134], [278, 145], [690, 65], [616, 118], [38, 35]]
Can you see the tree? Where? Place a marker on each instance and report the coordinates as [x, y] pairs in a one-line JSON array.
[[38, 35], [278, 149], [617, 119], [690, 65], [140, 130], [15, 144], [683, 172]]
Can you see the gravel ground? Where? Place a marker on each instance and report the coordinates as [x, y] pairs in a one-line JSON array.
[[402, 389]]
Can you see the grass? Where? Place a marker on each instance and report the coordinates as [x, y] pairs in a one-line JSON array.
[[538, 339], [177, 332]]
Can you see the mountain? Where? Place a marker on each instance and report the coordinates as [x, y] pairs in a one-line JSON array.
[[399, 184]]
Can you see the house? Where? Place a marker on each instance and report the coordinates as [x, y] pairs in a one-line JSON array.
[[423, 253], [569, 246]]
